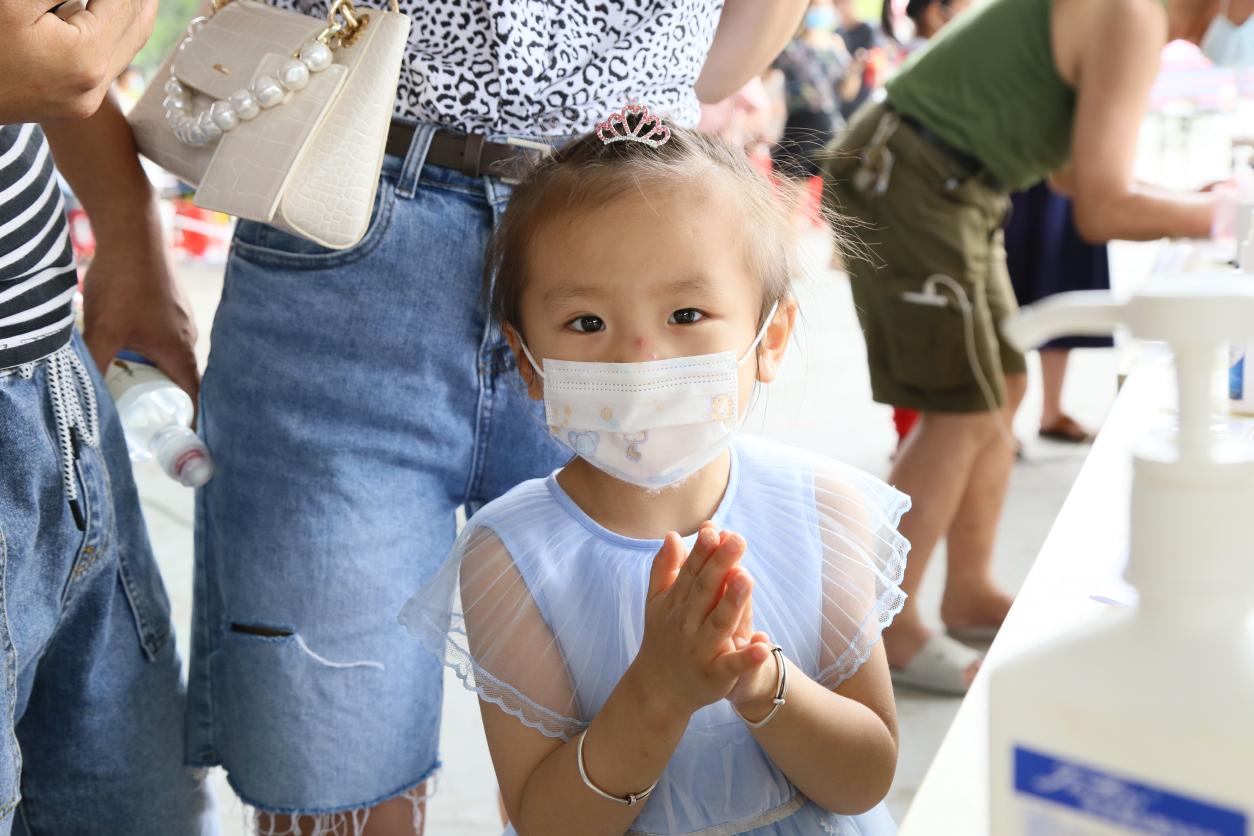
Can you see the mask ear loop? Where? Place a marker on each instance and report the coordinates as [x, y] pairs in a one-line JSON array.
[[530, 359], [770, 315], [757, 388]]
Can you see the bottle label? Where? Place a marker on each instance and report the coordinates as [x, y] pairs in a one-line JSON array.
[[129, 370], [1056, 793]]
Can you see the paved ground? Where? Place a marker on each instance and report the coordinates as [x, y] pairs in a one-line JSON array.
[[822, 401]]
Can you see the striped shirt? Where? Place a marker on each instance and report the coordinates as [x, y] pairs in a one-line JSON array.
[[37, 275]]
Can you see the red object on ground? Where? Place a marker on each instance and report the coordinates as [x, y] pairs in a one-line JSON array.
[[191, 243], [904, 421]]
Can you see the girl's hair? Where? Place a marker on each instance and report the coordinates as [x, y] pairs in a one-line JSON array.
[[582, 173]]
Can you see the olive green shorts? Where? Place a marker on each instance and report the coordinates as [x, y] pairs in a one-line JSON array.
[[913, 212]]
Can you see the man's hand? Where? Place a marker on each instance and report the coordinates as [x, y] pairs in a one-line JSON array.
[[132, 301], [131, 298], [52, 68]]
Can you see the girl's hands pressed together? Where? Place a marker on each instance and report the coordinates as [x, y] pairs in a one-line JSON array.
[[697, 605]]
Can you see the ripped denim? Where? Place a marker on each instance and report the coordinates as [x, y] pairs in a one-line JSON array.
[[353, 400]]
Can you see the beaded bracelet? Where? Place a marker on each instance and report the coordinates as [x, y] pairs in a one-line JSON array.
[[781, 690], [626, 800]]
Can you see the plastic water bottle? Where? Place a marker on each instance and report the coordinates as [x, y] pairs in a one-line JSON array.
[[157, 417]]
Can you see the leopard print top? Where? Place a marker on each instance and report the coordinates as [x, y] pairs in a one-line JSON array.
[[536, 68]]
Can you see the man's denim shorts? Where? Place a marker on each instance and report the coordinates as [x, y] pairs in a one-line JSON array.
[[91, 697]]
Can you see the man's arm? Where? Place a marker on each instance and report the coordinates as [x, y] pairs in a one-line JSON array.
[[750, 34], [131, 299], [1116, 70], [52, 68]]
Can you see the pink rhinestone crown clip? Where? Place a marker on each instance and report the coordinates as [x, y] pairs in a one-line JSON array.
[[642, 127]]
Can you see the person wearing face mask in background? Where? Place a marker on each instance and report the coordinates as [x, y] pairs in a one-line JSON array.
[[1013, 91], [864, 42], [818, 79]]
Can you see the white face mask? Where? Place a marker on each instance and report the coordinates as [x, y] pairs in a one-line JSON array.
[[651, 424], [1227, 44]]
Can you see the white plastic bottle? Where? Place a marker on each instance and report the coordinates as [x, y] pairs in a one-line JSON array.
[[1241, 369], [156, 417], [1145, 722]]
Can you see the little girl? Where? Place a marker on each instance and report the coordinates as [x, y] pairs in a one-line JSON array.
[[677, 632]]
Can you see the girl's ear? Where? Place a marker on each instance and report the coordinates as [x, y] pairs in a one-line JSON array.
[[775, 340], [535, 388]]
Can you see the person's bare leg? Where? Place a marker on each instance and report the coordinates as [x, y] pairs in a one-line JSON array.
[[394, 817], [1053, 373], [933, 467], [971, 596]]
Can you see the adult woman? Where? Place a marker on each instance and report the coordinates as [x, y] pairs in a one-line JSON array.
[[1005, 95], [1046, 255]]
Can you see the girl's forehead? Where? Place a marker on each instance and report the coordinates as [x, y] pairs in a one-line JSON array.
[[659, 285], [635, 231]]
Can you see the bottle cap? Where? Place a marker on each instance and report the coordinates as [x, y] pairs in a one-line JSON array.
[[194, 468]]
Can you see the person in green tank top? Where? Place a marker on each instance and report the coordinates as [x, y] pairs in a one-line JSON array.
[[1012, 92]]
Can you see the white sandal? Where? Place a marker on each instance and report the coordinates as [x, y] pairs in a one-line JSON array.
[[940, 666]]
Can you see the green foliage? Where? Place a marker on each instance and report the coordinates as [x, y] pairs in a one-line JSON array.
[[868, 10], [171, 23]]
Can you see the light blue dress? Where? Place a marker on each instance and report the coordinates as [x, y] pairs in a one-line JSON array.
[[551, 615]]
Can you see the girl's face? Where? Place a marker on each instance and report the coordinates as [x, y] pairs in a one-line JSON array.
[[649, 276]]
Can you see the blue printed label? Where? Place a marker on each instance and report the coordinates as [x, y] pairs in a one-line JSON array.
[[1120, 800], [1236, 376]]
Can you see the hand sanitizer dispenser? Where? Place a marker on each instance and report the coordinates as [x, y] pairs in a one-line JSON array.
[[1145, 722]]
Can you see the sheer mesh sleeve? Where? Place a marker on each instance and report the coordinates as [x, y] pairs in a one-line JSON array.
[[864, 563], [479, 615]]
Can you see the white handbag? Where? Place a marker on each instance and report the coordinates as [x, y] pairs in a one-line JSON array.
[[278, 117]]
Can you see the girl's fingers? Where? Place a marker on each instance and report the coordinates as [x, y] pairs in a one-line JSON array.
[[707, 542], [666, 563], [721, 623], [704, 591], [735, 663], [744, 630]]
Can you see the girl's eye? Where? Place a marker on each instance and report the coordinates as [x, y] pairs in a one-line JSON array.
[[587, 324], [685, 316]]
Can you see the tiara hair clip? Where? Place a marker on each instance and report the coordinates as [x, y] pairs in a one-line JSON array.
[[644, 127]]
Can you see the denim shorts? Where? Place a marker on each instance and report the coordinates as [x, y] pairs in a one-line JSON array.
[[353, 401], [91, 698]]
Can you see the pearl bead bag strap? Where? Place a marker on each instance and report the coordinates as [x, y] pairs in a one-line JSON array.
[[311, 164]]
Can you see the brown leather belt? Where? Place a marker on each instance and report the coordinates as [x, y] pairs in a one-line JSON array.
[[470, 154]]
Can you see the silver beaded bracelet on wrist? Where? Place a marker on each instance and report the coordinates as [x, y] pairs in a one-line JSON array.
[[781, 690], [627, 800]]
